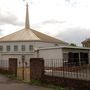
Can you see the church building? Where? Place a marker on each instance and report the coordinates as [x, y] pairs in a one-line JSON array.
[[24, 44]]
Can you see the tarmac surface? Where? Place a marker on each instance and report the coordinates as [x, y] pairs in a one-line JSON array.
[[8, 84]]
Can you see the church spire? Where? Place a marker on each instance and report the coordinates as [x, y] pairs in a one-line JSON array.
[[27, 18]]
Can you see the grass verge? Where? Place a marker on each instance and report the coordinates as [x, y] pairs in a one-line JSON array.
[[40, 83]]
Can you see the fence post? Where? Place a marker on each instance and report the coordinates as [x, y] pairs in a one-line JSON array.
[[36, 68]]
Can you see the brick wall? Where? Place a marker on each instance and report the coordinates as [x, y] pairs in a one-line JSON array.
[[36, 68], [67, 82]]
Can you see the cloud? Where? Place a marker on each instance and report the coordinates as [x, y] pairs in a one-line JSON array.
[[74, 35], [67, 0], [8, 18], [1, 32], [71, 2], [52, 21]]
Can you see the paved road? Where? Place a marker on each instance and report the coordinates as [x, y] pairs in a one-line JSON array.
[[7, 84]]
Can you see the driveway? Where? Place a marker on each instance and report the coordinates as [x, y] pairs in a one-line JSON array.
[[7, 84]]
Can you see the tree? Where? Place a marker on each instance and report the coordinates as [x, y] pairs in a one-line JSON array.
[[72, 44]]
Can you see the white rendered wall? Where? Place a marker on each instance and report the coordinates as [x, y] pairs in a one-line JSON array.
[[52, 57], [4, 60], [57, 54], [5, 55], [35, 44]]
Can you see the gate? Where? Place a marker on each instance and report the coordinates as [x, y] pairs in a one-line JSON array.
[[13, 66]]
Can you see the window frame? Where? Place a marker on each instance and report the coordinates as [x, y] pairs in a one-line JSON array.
[[8, 48], [1, 48], [23, 48], [15, 47], [31, 48]]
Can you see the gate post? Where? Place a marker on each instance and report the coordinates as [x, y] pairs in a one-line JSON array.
[[36, 68]]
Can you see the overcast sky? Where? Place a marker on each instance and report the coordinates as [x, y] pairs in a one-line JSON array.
[[68, 20]]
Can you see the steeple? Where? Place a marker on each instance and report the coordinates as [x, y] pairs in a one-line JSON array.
[[27, 18]]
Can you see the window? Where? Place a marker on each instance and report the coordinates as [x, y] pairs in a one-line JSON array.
[[65, 57], [73, 58], [31, 47], [56, 44], [23, 47], [15, 48], [1, 48], [8, 48]]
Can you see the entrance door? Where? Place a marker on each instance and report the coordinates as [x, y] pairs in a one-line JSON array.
[[13, 65]]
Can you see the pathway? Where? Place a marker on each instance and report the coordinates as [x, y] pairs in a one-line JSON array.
[[7, 84]]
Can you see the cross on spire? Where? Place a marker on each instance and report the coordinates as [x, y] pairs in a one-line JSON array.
[[27, 18], [27, 26]]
